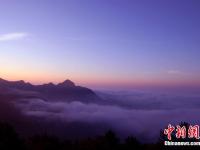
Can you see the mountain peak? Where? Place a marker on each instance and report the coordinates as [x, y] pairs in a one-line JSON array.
[[20, 81], [2, 79], [50, 84], [67, 83]]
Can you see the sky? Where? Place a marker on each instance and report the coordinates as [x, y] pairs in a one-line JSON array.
[[101, 43]]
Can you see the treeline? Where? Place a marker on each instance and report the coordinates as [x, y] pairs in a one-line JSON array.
[[10, 140]]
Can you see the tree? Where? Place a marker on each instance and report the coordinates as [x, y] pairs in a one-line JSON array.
[[9, 138]]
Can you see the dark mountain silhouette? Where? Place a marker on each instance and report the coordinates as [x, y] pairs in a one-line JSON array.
[[66, 83], [65, 91]]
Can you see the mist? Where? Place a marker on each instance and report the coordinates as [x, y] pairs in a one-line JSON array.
[[139, 114]]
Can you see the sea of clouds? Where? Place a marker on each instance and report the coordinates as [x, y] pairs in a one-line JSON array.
[[140, 114]]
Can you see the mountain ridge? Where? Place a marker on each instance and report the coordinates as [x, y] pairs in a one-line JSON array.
[[64, 91]]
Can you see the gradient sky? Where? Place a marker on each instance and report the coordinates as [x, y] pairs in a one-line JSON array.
[[101, 43]]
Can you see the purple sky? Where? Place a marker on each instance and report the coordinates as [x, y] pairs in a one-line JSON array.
[[101, 43]]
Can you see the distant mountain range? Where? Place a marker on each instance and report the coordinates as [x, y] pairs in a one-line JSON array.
[[65, 91]]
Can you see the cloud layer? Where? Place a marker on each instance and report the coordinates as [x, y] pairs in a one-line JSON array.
[[13, 36], [144, 119]]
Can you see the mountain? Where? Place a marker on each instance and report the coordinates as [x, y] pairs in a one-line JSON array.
[[67, 83], [65, 91]]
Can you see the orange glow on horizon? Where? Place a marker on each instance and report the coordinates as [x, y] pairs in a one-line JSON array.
[[42, 78]]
